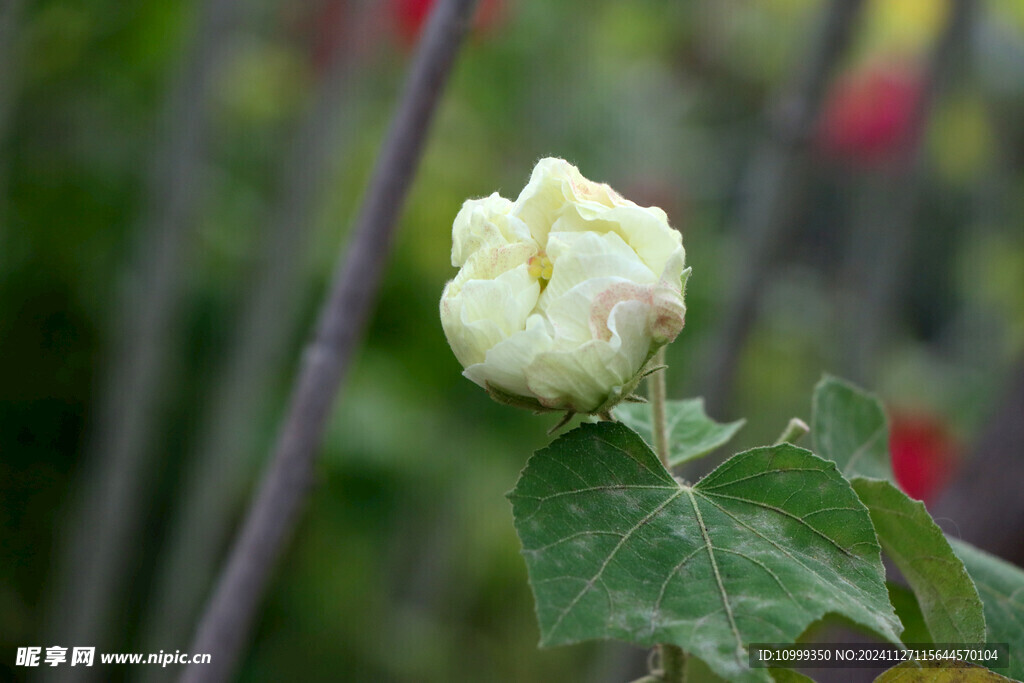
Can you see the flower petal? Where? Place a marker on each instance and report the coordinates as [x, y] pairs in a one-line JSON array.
[[482, 313]]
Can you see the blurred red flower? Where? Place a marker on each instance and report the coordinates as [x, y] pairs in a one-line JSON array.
[[868, 115], [410, 15], [924, 454], [330, 21]]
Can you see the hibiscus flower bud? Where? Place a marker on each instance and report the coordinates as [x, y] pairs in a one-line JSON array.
[[564, 295]]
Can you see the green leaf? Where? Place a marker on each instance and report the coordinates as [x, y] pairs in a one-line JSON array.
[[849, 427], [1001, 586], [951, 672], [766, 544], [947, 596], [691, 433], [909, 611]]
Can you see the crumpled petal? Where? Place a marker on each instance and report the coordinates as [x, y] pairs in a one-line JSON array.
[[564, 294], [485, 225], [485, 312]]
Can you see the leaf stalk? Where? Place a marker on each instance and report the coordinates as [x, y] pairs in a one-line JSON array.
[[673, 663], [656, 395]]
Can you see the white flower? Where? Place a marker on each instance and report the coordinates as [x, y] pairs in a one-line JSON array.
[[564, 295]]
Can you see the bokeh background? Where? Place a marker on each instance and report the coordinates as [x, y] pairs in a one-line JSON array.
[[177, 180]]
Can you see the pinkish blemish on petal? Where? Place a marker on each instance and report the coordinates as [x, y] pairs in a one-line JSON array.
[[601, 307], [669, 315]]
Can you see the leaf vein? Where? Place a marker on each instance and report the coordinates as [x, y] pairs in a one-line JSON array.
[[656, 612], [859, 453], [611, 555], [784, 513], [659, 475], [784, 551], [571, 537], [718, 576], [590, 489], [770, 573], [763, 474], [576, 474]]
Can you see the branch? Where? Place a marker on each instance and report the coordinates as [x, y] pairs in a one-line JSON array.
[[103, 520], [774, 189], [274, 513], [220, 468]]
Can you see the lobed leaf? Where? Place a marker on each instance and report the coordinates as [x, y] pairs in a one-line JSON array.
[[849, 427], [769, 542], [691, 432]]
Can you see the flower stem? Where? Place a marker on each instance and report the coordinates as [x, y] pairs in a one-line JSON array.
[[777, 185], [673, 663], [673, 659], [656, 394]]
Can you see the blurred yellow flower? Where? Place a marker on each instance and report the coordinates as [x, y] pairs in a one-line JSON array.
[[903, 26]]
